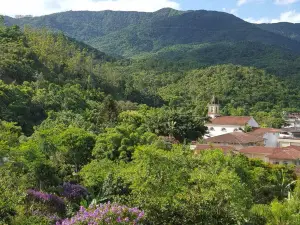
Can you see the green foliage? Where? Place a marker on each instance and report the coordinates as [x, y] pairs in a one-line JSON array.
[[180, 124], [241, 90], [281, 213], [118, 143]]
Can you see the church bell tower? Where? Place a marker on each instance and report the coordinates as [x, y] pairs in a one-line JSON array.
[[213, 108]]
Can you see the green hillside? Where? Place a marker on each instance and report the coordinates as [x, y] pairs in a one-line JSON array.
[[290, 30], [131, 33], [275, 60]]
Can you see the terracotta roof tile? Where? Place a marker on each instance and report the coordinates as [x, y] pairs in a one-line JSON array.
[[231, 120], [235, 138], [265, 130], [289, 153], [258, 150]]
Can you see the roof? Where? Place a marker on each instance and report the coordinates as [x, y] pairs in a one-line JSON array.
[[292, 129], [289, 153], [294, 115], [202, 147], [231, 120], [258, 150], [259, 131], [235, 138]]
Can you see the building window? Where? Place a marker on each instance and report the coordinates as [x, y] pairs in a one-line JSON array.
[[285, 163], [276, 163], [224, 129], [235, 130], [211, 129]]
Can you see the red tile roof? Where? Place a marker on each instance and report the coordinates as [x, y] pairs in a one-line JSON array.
[[258, 150], [231, 120], [264, 130], [289, 153], [235, 138], [202, 147]]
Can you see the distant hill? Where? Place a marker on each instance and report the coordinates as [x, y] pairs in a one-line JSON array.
[[290, 30], [132, 33]]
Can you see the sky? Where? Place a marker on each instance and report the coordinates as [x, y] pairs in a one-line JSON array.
[[255, 11]]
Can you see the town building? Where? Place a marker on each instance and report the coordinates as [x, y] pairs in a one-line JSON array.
[[238, 140], [284, 156], [220, 125], [270, 135], [291, 119], [258, 152], [285, 142]]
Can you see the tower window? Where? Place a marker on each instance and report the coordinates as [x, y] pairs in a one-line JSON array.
[[224, 129]]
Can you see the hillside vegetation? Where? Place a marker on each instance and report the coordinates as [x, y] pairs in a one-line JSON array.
[[191, 39], [290, 30], [86, 138]]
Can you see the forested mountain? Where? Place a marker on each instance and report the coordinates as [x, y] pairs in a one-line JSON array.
[[131, 33], [290, 30]]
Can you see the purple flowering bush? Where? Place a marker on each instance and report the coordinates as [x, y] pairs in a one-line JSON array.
[[106, 214], [52, 202], [73, 191]]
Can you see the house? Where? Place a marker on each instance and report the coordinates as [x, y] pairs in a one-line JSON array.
[[203, 147], [258, 152], [292, 132], [238, 140], [291, 119], [285, 142], [228, 124], [285, 156], [270, 135], [220, 125]]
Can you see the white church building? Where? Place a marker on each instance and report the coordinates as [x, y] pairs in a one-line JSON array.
[[220, 125]]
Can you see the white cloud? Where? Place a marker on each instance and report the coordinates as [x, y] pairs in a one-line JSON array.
[[243, 2], [285, 2], [289, 16], [260, 20], [231, 11], [42, 7]]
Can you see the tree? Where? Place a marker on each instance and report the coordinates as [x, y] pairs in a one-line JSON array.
[[175, 187], [281, 213]]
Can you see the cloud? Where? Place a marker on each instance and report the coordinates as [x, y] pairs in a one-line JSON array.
[[260, 20], [289, 16], [285, 2], [231, 11], [42, 7], [243, 2]]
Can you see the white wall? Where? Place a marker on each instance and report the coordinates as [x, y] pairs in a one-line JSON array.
[[253, 123], [271, 139], [218, 129], [288, 142]]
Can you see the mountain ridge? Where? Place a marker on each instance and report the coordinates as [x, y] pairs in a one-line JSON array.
[[97, 28]]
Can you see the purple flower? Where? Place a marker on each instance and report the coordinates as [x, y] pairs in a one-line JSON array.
[[74, 191], [51, 200], [105, 214]]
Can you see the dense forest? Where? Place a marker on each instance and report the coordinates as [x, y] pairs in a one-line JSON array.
[[89, 138]]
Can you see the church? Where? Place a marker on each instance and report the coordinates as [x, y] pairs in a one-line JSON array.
[[220, 125]]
